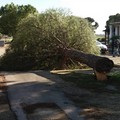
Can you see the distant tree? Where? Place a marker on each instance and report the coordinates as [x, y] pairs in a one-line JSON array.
[[94, 24], [114, 18], [11, 15], [39, 39]]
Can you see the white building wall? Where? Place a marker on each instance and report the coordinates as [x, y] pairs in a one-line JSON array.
[[110, 35], [119, 30], [116, 30]]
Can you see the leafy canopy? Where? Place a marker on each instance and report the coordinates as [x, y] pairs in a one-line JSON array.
[[114, 18], [11, 15], [42, 38], [94, 24]]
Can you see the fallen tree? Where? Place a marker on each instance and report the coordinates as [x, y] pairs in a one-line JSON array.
[[100, 65]]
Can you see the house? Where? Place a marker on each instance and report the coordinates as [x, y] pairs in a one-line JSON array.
[[112, 33], [112, 26], [114, 29]]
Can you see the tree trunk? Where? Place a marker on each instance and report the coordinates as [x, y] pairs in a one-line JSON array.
[[100, 65], [63, 62]]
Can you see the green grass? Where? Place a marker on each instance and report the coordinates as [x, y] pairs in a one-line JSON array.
[[114, 78], [88, 81], [99, 103], [100, 36]]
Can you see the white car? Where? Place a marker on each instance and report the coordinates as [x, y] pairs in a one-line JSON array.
[[102, 47]]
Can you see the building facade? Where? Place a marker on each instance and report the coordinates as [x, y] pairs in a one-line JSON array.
[[114, 29]]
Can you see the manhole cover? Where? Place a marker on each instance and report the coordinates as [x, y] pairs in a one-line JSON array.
[[44, 111]]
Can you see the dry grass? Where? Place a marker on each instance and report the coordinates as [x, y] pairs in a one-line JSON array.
[[98, 100]]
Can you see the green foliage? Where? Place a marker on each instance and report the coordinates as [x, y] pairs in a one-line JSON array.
[[92, 22], [115, 76], [36, 38], [115, 37], [114, 18], [14, 61], [11, 15]]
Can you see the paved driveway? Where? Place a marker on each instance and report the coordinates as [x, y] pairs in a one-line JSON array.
[[37, 87]]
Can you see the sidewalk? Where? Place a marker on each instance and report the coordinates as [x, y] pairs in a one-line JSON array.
[[38, 89]]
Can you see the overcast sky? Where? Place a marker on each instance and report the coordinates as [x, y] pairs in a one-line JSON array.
[[99, 10]]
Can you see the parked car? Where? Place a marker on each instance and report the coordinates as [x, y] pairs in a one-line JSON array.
[[102, 47]]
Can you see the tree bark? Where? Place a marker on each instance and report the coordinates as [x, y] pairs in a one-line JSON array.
[[100, 65]]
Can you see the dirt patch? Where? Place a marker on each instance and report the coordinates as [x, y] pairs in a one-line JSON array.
[[44, 111]]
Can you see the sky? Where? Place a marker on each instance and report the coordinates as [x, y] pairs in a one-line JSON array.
[[99, 10]]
